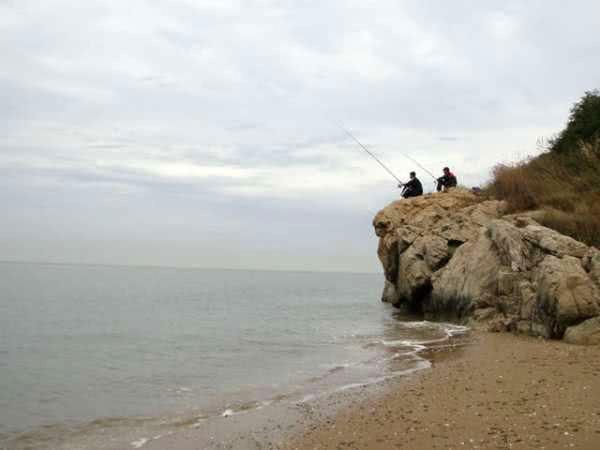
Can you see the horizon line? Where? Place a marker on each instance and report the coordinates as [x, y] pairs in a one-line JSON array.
[[158, 266]]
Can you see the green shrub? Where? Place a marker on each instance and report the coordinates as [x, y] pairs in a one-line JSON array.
[[583, 124]]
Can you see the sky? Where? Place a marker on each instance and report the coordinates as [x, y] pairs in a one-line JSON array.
[[207, 133]]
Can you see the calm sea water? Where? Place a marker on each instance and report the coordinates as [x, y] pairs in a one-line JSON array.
[[80, 344]]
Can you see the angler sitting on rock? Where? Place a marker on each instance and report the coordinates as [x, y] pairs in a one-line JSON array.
[[412, 188], [446, 181]]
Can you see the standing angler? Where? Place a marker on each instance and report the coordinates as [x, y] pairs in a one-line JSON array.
[[446, 181], [412, 188]]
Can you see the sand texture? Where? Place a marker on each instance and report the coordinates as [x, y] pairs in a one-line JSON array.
[[503, 391]]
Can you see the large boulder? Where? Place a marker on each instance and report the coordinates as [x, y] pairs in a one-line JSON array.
[[552, 242], [454, 254], [587, 332], [468, 281], [419, 235], [566, 294], [416, 265]]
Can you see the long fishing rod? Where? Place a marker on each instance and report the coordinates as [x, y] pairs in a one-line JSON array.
[[383, 165], [419, 165], [372, 155]]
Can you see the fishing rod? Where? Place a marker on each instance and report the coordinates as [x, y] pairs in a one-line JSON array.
[[374, 157], [383, 165], [420, 166]]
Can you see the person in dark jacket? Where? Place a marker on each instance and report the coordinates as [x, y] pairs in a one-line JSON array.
[[446, 181], [412, 188]]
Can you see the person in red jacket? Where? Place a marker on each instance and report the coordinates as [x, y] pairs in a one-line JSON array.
[[446, 181]]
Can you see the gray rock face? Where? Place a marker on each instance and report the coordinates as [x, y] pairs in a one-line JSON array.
[[591, 264], [416, 265], [452, 254], [468, 281], [566, 295], [586, 333], [389, 294]]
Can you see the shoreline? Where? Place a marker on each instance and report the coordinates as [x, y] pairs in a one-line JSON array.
[[488, 391], [275, 424], [483, 390], [503, 391], [269, 420]]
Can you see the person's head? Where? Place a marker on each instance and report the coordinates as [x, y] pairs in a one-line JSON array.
[[446, 170], [412, 174]]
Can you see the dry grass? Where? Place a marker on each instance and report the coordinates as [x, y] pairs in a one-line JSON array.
[[566, 187]]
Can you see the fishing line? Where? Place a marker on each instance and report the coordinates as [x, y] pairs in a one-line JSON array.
[[374, 157], [379, 161]]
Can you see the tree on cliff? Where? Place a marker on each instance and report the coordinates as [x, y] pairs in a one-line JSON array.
[[583, 125]]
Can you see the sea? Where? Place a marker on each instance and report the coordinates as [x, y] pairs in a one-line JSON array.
[[137, 353]]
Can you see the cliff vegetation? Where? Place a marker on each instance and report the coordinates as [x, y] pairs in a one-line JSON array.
[[563, 183]]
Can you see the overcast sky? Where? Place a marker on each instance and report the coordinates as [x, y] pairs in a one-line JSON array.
[[203, 133]]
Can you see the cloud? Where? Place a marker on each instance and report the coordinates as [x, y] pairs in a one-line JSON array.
[[230, 107]]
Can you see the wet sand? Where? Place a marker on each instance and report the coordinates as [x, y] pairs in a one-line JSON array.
[[490, 391], [502, 391]]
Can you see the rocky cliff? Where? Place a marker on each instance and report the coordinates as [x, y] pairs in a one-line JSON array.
[[452, 254]]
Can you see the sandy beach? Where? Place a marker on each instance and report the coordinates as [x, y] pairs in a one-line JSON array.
[[502, 391]]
